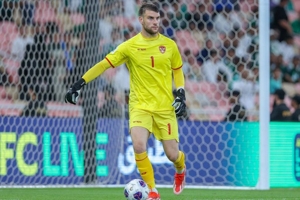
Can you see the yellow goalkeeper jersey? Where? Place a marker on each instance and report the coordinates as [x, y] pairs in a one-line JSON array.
[[150, 63]]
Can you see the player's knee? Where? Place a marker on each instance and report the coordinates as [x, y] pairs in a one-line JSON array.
[[172, 156], [139, 147]]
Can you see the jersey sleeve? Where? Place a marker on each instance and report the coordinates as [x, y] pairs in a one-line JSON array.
[[117, 56], [176, 61]]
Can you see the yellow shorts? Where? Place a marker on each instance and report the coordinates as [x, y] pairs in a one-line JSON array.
[[163, 124]]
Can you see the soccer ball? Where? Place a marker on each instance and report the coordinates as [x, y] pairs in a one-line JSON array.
[[136, 189]]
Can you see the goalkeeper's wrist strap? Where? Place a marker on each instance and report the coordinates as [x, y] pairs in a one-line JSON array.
[[79, 84], [181, 93]]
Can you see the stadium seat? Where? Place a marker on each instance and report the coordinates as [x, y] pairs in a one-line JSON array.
[[215, 113], [8, 92], [8, 32], [209, 89], [12, 92], [289, 88], [3, 92], [185, 41], [223, 102], [245, 6], [9, 108], [215, 92], [121, 21], [192, 86], [12, 67], [44, 12], [77, 18], [201, 87], [58, 109]]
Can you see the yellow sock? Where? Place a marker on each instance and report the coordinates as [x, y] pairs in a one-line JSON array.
[[145, 168], [179, 163]]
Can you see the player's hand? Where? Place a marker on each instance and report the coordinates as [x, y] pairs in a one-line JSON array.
[[179, 102], [74, 92]]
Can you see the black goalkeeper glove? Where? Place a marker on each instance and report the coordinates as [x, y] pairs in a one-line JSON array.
[[74, 92], [179, 103]]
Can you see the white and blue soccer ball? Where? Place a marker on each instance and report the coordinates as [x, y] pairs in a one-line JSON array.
[[136, 189]]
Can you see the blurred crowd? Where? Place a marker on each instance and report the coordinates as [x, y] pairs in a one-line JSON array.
[[218, 40]]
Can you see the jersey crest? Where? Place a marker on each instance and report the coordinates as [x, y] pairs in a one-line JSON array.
[[162, 49]]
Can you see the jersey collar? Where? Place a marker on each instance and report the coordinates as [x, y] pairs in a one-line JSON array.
[[150, 39]]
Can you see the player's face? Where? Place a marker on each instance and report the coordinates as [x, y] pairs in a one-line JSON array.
[[150, 22]]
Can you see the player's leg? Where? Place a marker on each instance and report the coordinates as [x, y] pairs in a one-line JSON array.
[[178, 158], [140, 128], [167, 132], [140, 137]]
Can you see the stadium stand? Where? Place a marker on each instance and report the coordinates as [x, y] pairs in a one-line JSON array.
[[208, 101]]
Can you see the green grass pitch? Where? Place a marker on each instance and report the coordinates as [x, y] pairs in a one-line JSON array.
[[166, 194]]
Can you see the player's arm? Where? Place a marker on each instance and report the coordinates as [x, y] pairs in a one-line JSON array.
[[114, 58], [179, 102], [178, 78], [96, 71], [74, 91]]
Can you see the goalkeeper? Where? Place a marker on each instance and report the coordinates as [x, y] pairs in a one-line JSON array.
[[152, 59]]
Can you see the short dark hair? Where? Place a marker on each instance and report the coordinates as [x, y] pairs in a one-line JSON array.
[[280, 93], [148, 5], [296, 98], [233, 93], [213, 52]]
